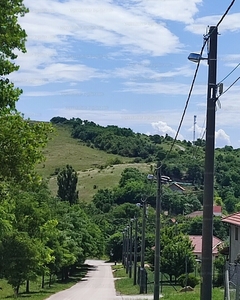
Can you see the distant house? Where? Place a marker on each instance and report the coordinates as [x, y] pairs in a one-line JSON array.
[[175, 187], [197, 243], [217, 211], [234, 234]]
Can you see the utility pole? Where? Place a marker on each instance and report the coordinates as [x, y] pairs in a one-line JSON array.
[[135, 253], [142, 269], [130, 246], [157, 236], [127, 250], [208, 196], [123, 249]]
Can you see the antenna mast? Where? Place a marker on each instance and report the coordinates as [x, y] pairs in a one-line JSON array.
[[194, 128]]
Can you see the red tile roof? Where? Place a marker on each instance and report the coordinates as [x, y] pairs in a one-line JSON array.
[[233, 219], [217, 209], [198, 213], [197, 243]]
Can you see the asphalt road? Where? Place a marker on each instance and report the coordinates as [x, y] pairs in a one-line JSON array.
[[98, 284]]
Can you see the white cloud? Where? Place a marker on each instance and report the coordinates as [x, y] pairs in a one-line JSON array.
[[174, 10], [169, 88], [162, 128], [103, 22], [151, 71], [230, 23], [222, 137]]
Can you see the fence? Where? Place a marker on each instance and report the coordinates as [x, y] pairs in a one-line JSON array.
[[232, 281]]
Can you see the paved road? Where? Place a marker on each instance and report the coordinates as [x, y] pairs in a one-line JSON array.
[[98, 284]]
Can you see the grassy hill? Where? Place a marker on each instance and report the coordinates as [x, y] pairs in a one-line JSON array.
[[95, 167]]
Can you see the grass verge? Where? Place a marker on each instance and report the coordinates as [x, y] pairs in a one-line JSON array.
[[36, 292], [124, 286]]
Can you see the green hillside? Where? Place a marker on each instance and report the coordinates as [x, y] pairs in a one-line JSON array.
[[62, 149], [95, 167]]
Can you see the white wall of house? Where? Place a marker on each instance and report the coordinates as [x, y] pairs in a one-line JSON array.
[[234, 242]]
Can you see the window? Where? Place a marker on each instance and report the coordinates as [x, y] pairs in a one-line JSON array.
[[236, 233]]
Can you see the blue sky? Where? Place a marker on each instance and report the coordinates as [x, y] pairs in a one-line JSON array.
[[125, 63]]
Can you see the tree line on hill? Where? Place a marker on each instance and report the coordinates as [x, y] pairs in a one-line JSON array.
[[185, 163]]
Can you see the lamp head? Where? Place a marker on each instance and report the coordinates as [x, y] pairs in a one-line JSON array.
[[195, 57]]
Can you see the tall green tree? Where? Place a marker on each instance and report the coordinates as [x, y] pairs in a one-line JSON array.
[[19, 258], [12, 37], [67, 184]]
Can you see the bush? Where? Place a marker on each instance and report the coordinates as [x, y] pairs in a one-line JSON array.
[[191, 280]]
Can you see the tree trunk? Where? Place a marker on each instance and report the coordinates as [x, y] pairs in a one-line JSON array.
[[27, 286], [16, 291], [50, 279]]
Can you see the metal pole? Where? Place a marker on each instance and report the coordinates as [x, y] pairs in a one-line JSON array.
[[130, 246], [142, 275], [123, 255], [135, 253], [157, 237], [127, 251], [207, 228], [125, 247]]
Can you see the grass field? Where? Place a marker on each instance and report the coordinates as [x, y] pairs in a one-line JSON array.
[[105, 178], [62, 149], [36, 292], [94, 167], [124, 286]]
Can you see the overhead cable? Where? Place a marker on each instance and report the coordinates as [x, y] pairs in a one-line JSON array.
[[206, 38]]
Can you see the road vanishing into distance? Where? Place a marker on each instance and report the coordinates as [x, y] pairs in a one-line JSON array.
[[98, 284]]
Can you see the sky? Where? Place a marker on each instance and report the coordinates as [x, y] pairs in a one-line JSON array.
[[125, 63]]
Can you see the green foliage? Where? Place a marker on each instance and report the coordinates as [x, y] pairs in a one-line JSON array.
[[67, 182], [21, 145], [188, 280], [114, 246], [12, 37], [219, 267], [19, 258], [104, 200], [176, 253]]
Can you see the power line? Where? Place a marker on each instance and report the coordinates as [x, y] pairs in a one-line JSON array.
[[206, 38], [229, 73], [226, 12], [187, 101], [230, 86]]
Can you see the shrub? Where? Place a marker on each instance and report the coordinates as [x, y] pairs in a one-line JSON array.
[[191, 280]]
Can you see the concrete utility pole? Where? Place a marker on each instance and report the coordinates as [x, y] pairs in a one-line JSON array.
[[207, 228], [142, 269], [135, 253], [127, 250], [123, 248], [157, 237], [130, 246]]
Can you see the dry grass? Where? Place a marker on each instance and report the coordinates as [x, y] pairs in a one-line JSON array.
[[62, 149], [106, 178]]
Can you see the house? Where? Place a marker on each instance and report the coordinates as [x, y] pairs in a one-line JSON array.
[[175, 187], [197, 243], [217, 212], [234, 233]]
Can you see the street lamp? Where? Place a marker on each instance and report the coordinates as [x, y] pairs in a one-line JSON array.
[[208, 196], [195, 57]]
